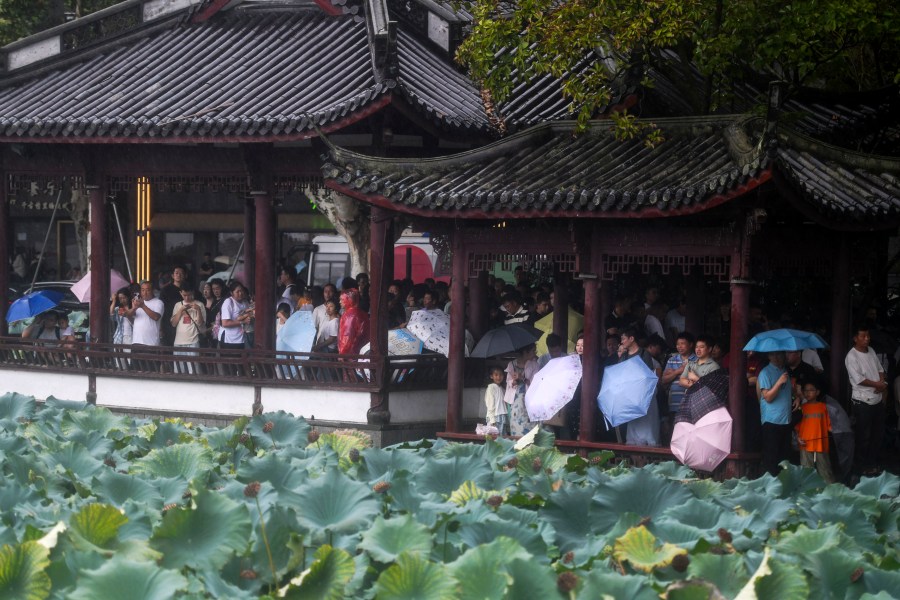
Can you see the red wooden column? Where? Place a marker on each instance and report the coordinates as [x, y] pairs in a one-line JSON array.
[[264, 282], [740, 326], [99, 265], [478, 305], [590, 361], [5, 235], [380, 270], [840, 319], [456, 367], [250, 242], [561, 307]]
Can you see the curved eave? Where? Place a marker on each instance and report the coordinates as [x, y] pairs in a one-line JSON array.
[[649, 212], [310, 131]]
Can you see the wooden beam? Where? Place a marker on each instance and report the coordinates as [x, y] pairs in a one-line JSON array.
[[380, 272]]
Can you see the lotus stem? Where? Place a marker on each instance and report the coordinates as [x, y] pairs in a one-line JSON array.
[[262, 529]]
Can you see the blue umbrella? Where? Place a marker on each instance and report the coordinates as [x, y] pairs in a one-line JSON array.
[[784, 340], [33, 304], [298, 333], [628, 387]]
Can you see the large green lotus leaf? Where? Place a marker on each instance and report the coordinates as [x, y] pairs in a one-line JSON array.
[[703, 488], [599, 584], [281, 523], [530, 580], [726, 571], [97, 444], [74, 458], [118, 488], [878, 580], [571, 513], [481, 571], [377, 462], [806, 541], [856, 523], [97, 524], [484, 530], [796, 481], [550, 459], [409, 497], [273, 469], [443, 476], [168, 433], [785, 582], [387, 539], [459, 449], [287, 430], [13, 495], [830, 572], [59, 406], [203, 537], [641, 493], [67, 564], [123, 579], [97, 419], [187, 461], [217, 587], [336, 503], [640, 549], [342, 442], [670, 470], [7, 535], [413, 577], [23, 573], [226, 437], [10, 443], [15, 406], [771, 510], [886, 484], [327, 577]]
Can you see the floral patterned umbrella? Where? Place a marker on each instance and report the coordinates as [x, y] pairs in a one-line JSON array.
[[553, 387]]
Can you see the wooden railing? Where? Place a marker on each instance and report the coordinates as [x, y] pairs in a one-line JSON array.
[[253, 367]]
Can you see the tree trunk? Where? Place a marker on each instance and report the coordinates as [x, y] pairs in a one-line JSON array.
[[351, 219], [79, 211]]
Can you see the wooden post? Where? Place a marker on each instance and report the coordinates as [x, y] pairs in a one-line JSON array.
[[249, 243], [561, 307], [456, 367], [380, 271], [840, 320], [737, 374], [593, 343], [99, 261], [478, 305], [264, 281], [5, 235]]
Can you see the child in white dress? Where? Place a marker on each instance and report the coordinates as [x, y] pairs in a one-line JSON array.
[[493, 399]]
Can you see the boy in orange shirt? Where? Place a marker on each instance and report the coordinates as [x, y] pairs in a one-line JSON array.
[[813, 430]]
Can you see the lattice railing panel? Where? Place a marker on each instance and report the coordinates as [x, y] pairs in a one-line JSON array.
[[621, 264], [564, 262]]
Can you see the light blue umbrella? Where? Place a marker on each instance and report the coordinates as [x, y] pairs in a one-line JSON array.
[[784, 340], [298, 333], [33, 304], [627, 390]]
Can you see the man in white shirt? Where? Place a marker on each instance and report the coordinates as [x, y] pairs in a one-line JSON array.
[[146, 310], [869, 388], [320, 317]]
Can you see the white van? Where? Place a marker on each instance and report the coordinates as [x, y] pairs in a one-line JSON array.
[[414, 257]]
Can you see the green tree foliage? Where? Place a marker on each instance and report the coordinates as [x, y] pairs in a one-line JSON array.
[[21, 18], [842, 45]]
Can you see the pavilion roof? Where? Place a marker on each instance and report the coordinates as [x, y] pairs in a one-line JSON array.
[[548, 171], [245, 71]]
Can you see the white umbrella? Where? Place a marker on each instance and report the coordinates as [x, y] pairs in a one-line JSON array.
[[82, 287], [553, 387], [433, 328], [400, 343]]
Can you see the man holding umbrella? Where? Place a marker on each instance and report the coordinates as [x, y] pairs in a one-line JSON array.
[[643, 431]]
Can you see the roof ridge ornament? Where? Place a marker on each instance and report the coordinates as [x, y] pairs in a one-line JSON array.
[[382, 33]]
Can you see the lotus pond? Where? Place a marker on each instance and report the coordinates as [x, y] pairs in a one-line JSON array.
[[100, 506]]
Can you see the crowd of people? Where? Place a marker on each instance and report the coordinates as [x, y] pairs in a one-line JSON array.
[[790, 387]]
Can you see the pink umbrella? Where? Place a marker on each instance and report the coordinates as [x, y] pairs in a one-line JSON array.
[[705, 444], [82, 288]]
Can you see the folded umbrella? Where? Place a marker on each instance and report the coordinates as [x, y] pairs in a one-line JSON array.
[[709, 393], [33, 304], [553, 387], [505, 340], [627, 390], [785, 340], [82, 287], [705, 444]]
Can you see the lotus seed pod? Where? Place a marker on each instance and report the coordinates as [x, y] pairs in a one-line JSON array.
[[354, 455], [381, 487], [252, 489], [109, 462], [536, 464], [494, 501], [596, 460], [856, 575], [513, 463], [569, 557], [313, 436], [169, 507], [187, 494], [567, 581], [268, 427], [244, 438], [680, 562], [248, 574], [724, 535]]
